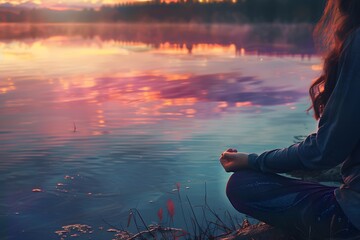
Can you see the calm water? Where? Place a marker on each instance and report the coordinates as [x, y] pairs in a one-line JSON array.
[[104, 118]]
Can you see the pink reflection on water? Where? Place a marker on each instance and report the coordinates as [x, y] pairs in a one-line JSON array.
[[101, 85]]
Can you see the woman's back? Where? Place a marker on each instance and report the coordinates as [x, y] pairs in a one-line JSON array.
[[348, 195]]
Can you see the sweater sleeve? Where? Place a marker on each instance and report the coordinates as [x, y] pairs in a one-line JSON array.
[[338, 129]]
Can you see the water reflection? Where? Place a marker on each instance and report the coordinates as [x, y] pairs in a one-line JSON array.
[[6, 86], [144, 98], [263, 38], [105, 104]]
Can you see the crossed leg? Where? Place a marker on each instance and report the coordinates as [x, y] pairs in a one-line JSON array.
[[304, 209]]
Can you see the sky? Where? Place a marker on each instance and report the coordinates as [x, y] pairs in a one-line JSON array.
[[65, 3]]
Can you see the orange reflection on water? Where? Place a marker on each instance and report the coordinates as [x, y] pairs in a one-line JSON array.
[[242, 52], [214, 48], [317, 67], [177, 77], [180, 102], [200, 48], [7, 86], [243, 104], [89, 54], [77, 81]]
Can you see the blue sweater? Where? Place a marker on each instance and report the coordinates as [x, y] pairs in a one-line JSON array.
[[337, 139]]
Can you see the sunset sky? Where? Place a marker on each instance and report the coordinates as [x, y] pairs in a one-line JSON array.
[[65, 3]]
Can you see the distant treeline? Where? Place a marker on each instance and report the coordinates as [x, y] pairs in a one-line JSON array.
[[241, 11]]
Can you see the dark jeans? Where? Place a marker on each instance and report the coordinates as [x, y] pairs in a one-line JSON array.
[[306, 210]]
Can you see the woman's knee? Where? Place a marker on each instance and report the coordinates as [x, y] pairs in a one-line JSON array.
[[230, 186], [237, 183], [248, 185]]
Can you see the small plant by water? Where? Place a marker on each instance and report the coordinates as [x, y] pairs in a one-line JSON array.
[[200, 222]]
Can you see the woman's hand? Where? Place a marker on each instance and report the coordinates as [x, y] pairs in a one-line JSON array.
[[232, 160]]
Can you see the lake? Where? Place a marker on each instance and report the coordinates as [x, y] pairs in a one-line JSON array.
[[98, 119]]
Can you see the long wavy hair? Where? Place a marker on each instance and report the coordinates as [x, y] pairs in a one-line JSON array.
[[339, 20]]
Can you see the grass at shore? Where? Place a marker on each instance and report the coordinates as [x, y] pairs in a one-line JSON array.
[[198, 222]]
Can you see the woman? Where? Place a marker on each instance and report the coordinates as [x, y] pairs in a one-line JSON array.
[[311, 210]]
